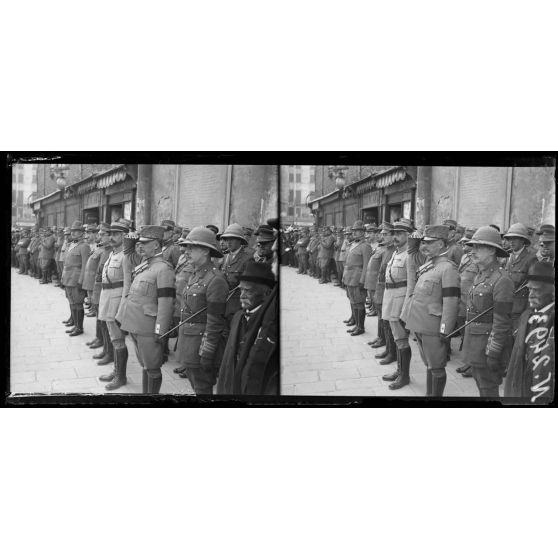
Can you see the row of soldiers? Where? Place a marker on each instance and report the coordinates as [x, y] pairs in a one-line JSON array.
[[212, 292], [441, 282]]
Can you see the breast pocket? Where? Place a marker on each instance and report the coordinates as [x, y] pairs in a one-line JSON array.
[[145, 288]]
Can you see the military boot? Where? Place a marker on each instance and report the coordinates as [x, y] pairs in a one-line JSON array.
[[404, 362], [104, 336], [120, 361], [98, 341], [428, 382], [109, 355], [144, 382], [360, 315], [438, 381], [154, 383], [74, 321], [394, 375], [351, 320], [78, 329]]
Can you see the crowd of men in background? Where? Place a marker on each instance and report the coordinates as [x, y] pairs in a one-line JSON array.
[[214, 294], [493, 290]]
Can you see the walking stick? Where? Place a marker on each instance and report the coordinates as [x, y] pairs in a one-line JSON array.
[[196, 314], [481, 314]]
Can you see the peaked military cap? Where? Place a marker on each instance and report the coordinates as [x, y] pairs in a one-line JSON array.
[[168, 224], [151, 232], [265, 234], [436, 232], [451, 223], [403, 225], [77, 226], [121, 225]]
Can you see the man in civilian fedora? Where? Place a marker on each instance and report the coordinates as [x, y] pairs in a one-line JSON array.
[[112, 288], [517, 265], [531, 373], [75, 260], [487, 338], [455, 252], [394, 298], [354, 274], [207, 289], [433, 306], [146, 312], [250, 364]]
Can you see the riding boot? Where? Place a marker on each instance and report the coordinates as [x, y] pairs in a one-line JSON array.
[[351, 320], [109, 355], [354, 322], [390, 345], [438, 381], [113, 373], [380, 341], [70, 321], [144, 378], [42, 280], [394, 375], [120, 361], [428, 382], [360, 315], [98, 341], [103, 353], [154, 383], [490, 393], [405, 361], [78, 330], [74, 321]]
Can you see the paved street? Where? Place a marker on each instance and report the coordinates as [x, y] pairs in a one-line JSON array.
[[44, 359], [318, 357]]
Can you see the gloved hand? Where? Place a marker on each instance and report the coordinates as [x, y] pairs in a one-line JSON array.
[[493, 365], [159, 339]]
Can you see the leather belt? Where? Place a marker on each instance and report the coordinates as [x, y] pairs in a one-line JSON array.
[[396, 285], [115, 285]]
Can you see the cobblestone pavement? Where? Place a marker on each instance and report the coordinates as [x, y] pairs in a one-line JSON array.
[[318, 357], [44, 359]]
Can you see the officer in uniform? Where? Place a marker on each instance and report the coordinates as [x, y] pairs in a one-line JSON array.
[[183, 271], [433, 306], [112, 288], [385, 337], [313, 247], [95, 264], [346, 244], [455, 252], [373, 269], [467, 272], [354, 274], [75, 259], [517, 265], [204, 334], [146, 312], [265, 237], [32, 250], [547, 240], [46, 255], [487, 338], [302, 254], [234, 264], [531, 372], [62, 243], [394, 298], [325, 253], [22, 253], [171, 252], [91, 269]]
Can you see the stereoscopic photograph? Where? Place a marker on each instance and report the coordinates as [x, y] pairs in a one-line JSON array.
[[419, 281], [144, 279]]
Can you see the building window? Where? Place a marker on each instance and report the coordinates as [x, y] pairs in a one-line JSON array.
[[297, 197], [290, 211], [291, 177], [291, 196], [298, 211], [297, 177]]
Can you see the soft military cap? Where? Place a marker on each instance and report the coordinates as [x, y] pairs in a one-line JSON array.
[[436, 232], [547, 233], [452, 224], [121, 225], [358, 226], [265, 234], [386, 227], [77, 226], [168, 224]]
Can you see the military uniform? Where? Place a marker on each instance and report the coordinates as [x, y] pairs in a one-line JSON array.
[[302, 254], [23, 254], [325, 255], [171, 253], [432, 312], [91, 272], [207, 287], [395, 291], [517, 266], [490, 335], [46, 256], [313, 247], [147, 313], [455, 253]]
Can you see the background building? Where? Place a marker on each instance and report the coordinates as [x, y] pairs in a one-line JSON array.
[[473, 196], [297, 184], [24, 185], [191, 195]]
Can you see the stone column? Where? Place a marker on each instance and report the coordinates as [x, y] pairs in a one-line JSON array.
[[143, 195], [423, 197]]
